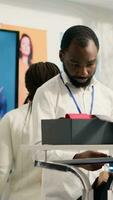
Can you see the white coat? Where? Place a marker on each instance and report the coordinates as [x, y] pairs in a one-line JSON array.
[[52, 101], [18, 178]]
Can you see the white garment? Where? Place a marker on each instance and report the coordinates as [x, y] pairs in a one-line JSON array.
[[25, 180], [52, 101]]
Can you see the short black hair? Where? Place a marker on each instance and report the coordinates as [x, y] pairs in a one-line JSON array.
[[81, 33]]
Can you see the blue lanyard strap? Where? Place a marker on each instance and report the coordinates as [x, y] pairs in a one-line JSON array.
[[74, 99], [71, 94]]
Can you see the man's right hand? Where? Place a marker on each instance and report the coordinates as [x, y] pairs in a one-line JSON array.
[[90, 154]]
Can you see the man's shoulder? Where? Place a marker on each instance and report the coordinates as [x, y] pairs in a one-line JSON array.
[[104, 87], [50, 84]]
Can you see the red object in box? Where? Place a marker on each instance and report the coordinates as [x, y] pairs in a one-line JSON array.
[[79, 116]]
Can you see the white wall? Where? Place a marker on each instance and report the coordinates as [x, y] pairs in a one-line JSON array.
[[56, 18]]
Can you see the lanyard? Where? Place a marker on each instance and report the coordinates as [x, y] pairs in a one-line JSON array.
[[74, 99]]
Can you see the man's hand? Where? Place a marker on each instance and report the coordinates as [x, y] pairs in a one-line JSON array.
[[103, 177], [90, 154]]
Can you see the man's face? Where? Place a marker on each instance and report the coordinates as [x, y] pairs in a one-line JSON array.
[[79, 62]]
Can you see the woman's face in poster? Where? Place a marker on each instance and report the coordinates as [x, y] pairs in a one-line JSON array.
[[25, 46]]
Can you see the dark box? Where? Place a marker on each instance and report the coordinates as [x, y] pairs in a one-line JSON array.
[[77, 131]]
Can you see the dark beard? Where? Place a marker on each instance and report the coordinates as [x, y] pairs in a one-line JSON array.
[[75, 82]]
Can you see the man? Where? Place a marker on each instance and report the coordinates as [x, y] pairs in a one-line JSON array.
[[74, 91]]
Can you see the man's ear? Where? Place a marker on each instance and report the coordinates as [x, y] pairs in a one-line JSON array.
[[61, 55]]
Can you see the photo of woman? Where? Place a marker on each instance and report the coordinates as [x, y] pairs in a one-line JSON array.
[[25, 60], [32, 48]]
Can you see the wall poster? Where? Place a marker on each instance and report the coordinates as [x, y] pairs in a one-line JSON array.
[[32, 48]]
